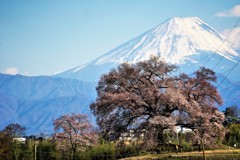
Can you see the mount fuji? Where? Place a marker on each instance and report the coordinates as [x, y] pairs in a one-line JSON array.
[[187, 42]]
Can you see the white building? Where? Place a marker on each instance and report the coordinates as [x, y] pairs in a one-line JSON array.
[[131, 136], [20, 140], [181, 129]]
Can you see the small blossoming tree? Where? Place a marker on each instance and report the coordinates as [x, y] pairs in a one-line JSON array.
[[73, 132]]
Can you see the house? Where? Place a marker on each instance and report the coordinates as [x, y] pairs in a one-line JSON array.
[[182, 129], [131, 136], [179, 129], [19, 140]]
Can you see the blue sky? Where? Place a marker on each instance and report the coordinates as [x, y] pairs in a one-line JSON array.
[[42, 37]]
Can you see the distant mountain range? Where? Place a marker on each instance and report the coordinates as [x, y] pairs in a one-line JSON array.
[[35, 102]]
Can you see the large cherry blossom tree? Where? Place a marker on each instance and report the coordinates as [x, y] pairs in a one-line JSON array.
[[72, 132], [148, 96]]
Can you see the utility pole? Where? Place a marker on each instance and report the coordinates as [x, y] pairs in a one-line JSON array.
[[204, 156], [35, 149]]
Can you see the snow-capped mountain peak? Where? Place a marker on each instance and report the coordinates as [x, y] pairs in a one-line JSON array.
[[173, 40], [176, 41]]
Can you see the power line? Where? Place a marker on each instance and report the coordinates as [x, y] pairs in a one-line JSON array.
[[209, 57], [223, 89], [218, 49], [229, 72], [222, 55], [233, 99]]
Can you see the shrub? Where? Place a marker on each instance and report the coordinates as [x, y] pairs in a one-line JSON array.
[[103, 150], [129, 150], [46, 150]]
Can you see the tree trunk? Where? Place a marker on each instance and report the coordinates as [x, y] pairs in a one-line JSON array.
[[73, 155], [160, 138], [204, 156]]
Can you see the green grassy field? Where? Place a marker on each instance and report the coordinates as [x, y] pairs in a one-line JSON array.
[[227, 154]]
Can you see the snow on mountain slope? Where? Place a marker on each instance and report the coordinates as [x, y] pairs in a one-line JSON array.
[[178, 41], [233, 37]]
